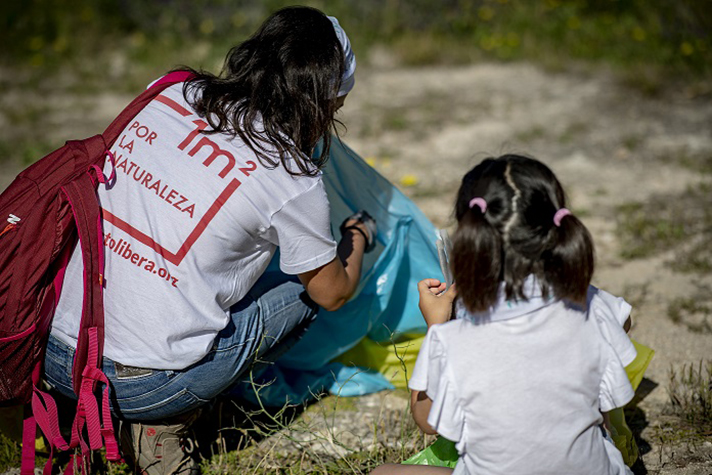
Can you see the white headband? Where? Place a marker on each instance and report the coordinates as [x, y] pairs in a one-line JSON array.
[[347, 80]]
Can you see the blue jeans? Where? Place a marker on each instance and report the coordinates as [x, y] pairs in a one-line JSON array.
[[263, 325]]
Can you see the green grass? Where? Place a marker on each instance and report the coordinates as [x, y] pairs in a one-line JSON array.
[[695, 161], [632, 142], [299, 439], [665, 222], [648, 43], [695, 258], [396, 120], [573, 132], [431, 112], [327, 434], [530, 135], [24, 152], [695, 311], [690, 391], [9, 453], [316, 436]]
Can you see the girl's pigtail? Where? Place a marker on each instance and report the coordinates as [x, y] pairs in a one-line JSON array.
[[568, 266], [477, 260]]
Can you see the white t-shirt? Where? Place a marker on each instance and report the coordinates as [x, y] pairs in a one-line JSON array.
[[523, 394], [189, 225]]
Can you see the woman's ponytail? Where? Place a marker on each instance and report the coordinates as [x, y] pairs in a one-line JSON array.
[[569, 264], [477, 260]]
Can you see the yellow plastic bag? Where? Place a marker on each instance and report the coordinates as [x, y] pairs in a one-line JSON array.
[[637, 368], [620, 432], [393, 360]]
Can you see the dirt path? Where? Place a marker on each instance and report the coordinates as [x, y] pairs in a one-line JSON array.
[[611, 146]]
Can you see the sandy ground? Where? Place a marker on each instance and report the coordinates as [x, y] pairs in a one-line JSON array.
[[610, 146]]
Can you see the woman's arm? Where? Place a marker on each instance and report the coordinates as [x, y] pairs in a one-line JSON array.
[[332, 285]]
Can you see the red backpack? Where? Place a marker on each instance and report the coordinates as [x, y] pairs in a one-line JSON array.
[[49, 207]]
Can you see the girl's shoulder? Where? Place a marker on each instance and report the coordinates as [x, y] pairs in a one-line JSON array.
[[606, 306], [447, 328], [610, 313], [443, 333]]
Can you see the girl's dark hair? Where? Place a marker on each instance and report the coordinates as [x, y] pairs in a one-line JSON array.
[[516, 236], [277, 89]]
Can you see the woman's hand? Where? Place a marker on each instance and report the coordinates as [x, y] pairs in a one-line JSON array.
[[364, 224], [435, 302], [364, 233]]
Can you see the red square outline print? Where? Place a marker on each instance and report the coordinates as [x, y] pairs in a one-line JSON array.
[[175, 258]]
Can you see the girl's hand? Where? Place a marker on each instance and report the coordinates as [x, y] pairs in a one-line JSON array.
[[435, 304]]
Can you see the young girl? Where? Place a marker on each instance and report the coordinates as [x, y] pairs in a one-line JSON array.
[[523, 375]]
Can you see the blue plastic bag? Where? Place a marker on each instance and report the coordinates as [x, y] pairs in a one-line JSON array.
[[385, 306]]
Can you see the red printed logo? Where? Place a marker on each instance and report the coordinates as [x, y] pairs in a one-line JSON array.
[[192, 147]]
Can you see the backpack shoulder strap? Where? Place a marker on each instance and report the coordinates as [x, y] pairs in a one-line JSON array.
[[123, 119], [174, 77], [81, 195]]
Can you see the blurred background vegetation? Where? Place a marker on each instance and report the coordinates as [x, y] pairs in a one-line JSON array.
[[87, 46], [123, 41]]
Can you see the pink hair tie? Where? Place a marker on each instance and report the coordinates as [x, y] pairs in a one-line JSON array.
[[560, 215], [479, 202]]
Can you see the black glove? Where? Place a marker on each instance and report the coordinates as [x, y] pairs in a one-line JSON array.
[[368, 221]]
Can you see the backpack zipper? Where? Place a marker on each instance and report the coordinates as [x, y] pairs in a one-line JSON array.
[[8, 228]]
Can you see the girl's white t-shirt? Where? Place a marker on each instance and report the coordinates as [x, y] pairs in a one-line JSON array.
[[523, 395], [189, 224]]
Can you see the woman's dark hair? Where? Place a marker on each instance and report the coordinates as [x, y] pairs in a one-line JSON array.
[[516, 236], [277, 89]]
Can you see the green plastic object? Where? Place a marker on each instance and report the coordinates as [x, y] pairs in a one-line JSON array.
[[441, 453]]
